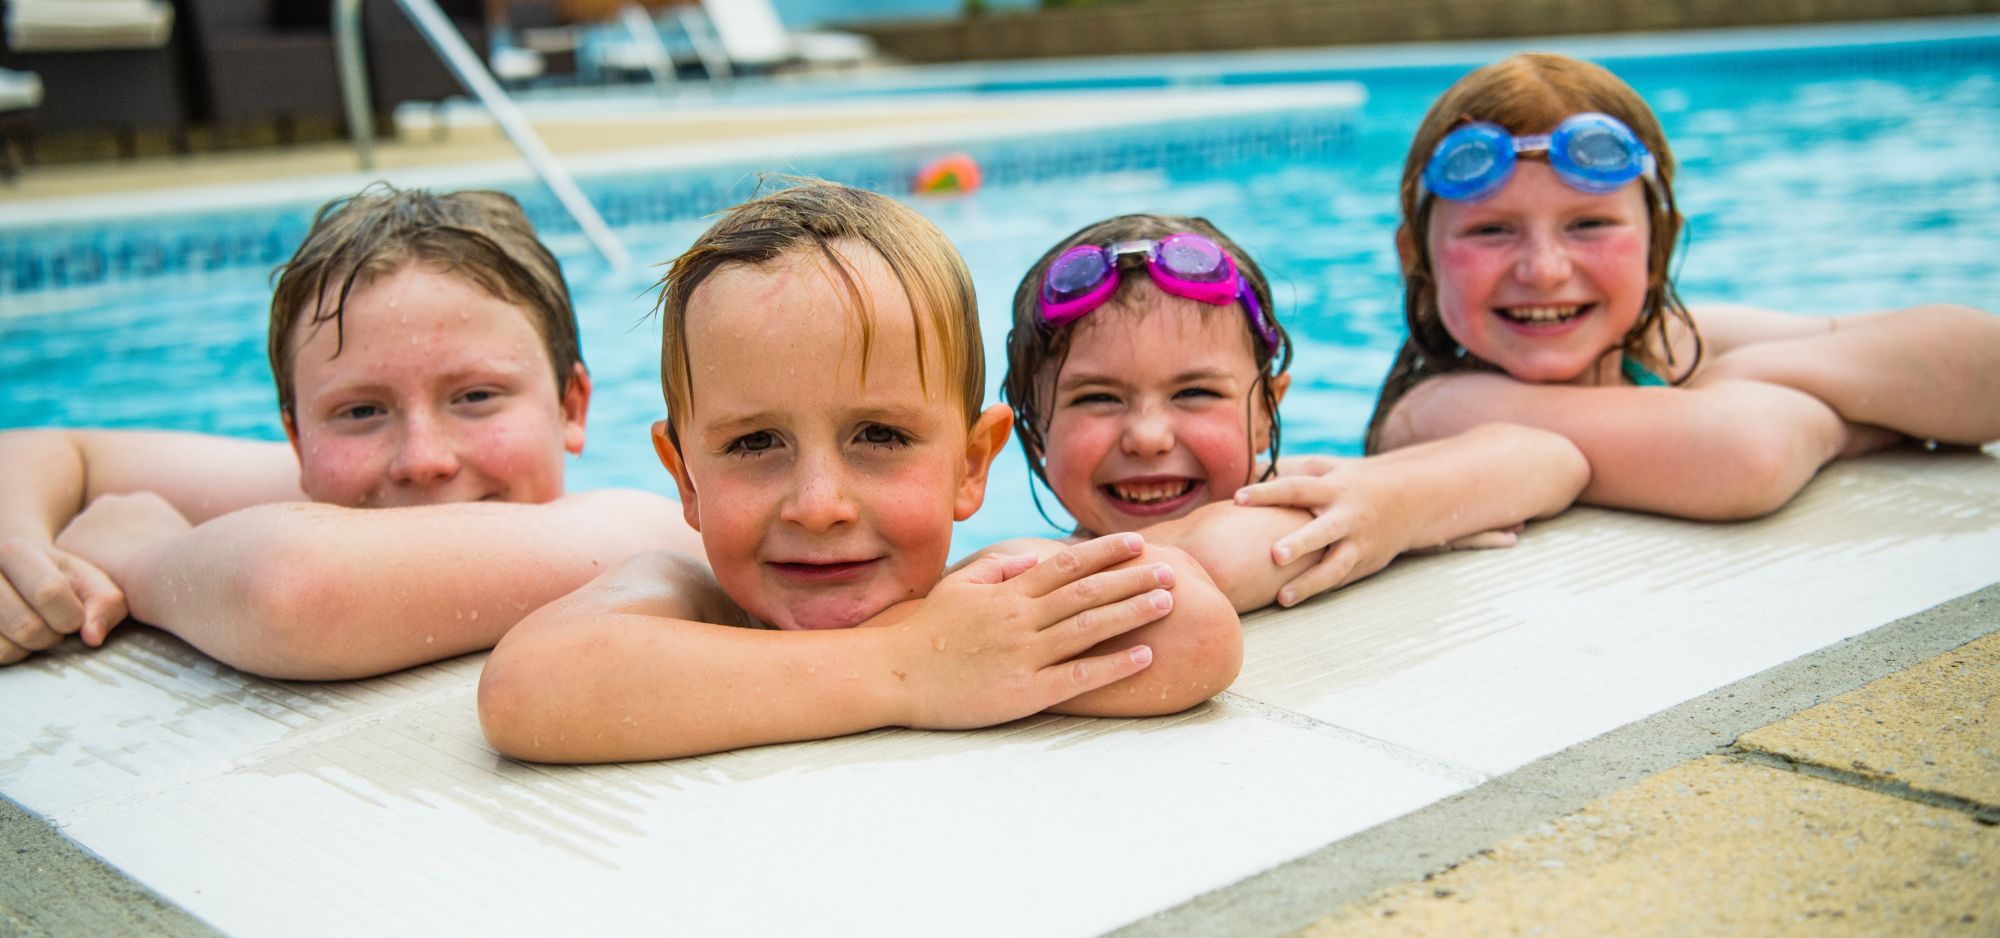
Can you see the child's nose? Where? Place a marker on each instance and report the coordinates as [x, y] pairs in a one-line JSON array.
[[819, 500], [425, 454], [1544, 262], [1148, 433]]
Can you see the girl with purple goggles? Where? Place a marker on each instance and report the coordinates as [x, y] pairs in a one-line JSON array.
[[1184, 264]]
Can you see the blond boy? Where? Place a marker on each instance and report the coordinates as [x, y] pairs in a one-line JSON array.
[[823, 374]]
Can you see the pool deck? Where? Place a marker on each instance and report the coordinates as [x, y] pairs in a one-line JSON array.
[[1625, 724]]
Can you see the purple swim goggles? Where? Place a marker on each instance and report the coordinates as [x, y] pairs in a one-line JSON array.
[[1184, 264]]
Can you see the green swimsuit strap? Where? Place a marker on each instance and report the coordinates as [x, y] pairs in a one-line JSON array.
[[1639, 375]]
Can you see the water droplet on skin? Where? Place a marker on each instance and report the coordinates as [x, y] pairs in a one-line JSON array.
[[938, 643], [475, 615], [430, 639]]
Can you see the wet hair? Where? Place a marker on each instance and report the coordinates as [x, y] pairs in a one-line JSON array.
[[481, 236], [810, 215], [1530, 94], [1036, 352]]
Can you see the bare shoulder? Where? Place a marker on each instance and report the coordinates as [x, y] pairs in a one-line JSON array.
[[201, 475], [1450, 404], [665, 584], [1728, 326], [646, 520]]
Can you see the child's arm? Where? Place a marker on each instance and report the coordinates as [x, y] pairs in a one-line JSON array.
[[1724, 451], [319, 592], [626, 668], [48, 476], [1930, 372], [1366, 512]]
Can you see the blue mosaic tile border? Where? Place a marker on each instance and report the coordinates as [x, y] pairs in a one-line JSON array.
[[48, 258]]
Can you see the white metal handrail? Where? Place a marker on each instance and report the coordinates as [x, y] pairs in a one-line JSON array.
[[472, 73]]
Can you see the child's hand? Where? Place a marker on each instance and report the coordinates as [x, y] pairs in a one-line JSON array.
[[46, 593], [998, 640], [1353, 521], [115, 531]]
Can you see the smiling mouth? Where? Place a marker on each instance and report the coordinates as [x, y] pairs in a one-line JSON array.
[[1144, 495], [1543, 315], [833, 571]]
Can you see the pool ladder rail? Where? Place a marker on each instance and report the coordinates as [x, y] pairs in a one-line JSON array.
[[472, 73]]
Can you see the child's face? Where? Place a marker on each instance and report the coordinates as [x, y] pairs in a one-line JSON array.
[[1155, 413], [822, 499], [441, 393], [1541, 279]]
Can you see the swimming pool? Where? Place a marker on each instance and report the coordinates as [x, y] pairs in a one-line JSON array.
[[1818, 179]]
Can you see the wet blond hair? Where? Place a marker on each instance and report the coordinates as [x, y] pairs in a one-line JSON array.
[[1530, 93], [810, 215]]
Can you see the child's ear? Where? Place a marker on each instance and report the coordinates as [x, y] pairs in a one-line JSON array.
[[292, 437], [982, 445], [670, 457], [1261, 439], [575, 409]]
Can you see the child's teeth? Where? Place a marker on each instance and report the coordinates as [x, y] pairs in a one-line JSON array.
[[1145, 492], [1543, 313]]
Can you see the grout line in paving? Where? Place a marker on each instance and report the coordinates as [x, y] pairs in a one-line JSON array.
[[1290, 897], [1978, 811]]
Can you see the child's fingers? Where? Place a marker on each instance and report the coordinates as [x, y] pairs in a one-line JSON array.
[[996, 568], [1308, 492], [1331, 571], [1318, 533], [103, 602], [1078, 633], [1060, 682], [1102, 589], [11, 653], [1485, 540], [1074, 563], [37, 606]]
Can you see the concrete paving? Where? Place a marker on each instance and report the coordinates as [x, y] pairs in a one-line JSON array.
[[1869, 814], [1931, 730]]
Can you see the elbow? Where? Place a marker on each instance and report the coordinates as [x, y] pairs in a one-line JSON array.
[[1763, 476], [510, 710], [288, 622], [1201, 644]]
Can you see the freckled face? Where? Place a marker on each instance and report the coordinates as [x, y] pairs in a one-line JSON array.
[[1542, 280], [440, 393], [822, 498], [1155, 412]]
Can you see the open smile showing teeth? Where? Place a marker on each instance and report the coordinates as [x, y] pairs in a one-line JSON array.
[[1146, 493], [1544, 315]]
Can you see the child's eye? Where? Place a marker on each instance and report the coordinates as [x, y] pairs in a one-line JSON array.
[[751, 444], [1197, 394], [1092, 397], [876, 434], [478, 396], [359, 412]]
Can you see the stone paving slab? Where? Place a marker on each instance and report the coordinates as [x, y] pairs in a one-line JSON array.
[[1714, 846], [1934, 728]]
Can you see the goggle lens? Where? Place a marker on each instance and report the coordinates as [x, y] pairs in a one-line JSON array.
[[1075, 273], [1196, 259]]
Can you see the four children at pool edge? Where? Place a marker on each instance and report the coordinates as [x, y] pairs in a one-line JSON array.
[[1549, 359]]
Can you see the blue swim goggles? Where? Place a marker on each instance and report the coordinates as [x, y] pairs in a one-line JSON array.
[[1590, 152]]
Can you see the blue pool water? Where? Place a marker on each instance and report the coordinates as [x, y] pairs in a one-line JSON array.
[[1815, 180]]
